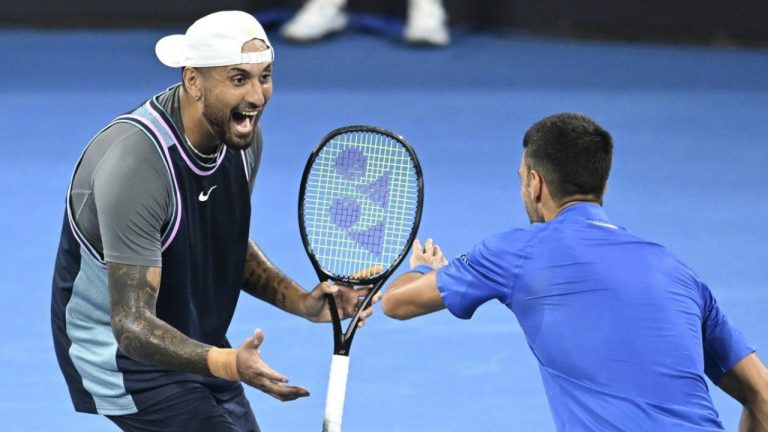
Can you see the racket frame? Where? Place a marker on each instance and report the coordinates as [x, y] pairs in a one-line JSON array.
[[343, 339]]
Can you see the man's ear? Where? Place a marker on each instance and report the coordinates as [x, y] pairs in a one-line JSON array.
[[535, 185], [192, 82]]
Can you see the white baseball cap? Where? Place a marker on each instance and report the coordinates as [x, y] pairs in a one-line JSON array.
[[215, 40]]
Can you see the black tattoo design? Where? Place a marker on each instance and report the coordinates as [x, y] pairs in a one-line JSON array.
[[266, 282], [140, 334]]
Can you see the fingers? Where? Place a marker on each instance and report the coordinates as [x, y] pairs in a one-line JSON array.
[[376, 298], [439, 258], [323, 288], [429, 247], [348, 298], [256, 340], [271, 374], [253, 371], [282, 392], [249, 363], [430, 254], [351, 301], [259, 372], [264, 371], [360, 291], [366, 313]]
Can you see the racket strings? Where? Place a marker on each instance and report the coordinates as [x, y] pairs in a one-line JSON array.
[[360, 202]]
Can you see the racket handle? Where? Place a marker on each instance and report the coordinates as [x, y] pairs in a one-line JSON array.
[[337, 389]]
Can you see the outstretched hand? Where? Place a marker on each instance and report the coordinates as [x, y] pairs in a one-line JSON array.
[[430, 254], [254, 372]]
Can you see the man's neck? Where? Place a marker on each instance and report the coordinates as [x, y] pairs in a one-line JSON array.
[[553, 211], [192, 120]]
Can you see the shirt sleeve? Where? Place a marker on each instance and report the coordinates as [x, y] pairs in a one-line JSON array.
[[724, 345], [485, 273], [133, 196]]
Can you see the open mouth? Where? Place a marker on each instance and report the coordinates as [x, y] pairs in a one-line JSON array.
[[244, 121]]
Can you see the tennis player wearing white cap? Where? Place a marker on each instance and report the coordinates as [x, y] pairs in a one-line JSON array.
[[155, 247]]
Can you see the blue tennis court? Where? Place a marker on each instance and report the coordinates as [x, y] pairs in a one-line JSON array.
[[690, 171]]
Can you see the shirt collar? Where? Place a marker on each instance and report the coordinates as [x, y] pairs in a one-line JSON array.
[[585, 210]]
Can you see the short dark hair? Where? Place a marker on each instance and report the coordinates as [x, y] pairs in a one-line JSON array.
[[573, 154]]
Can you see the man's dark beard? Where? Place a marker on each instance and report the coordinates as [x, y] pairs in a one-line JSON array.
[[219, 124]]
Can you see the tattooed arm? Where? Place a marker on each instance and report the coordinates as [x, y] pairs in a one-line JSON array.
[[140, 334], [265, 281]]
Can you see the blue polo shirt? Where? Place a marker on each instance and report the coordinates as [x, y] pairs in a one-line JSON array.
[[623, 331]]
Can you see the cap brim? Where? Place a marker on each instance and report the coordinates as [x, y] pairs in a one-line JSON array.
[[170, 50]]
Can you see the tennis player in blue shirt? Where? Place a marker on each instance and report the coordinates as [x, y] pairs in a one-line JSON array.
[[623, 331]]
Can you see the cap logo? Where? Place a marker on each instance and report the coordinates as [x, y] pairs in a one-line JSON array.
[[250, 31]]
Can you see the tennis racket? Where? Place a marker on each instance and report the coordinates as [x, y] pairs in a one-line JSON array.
[[359, 209]]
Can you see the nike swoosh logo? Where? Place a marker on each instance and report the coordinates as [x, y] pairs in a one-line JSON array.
[[204, 195]]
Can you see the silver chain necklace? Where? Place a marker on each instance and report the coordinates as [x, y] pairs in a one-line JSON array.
[[204, 156]]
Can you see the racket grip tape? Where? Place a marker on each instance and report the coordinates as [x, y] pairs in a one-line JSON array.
[[337, 389]]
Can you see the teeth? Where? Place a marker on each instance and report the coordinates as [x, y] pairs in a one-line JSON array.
[[248, 113]]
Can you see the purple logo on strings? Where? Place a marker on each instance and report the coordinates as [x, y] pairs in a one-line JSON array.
[[371, 238], [345, 212], [351, 164], [377, 190]]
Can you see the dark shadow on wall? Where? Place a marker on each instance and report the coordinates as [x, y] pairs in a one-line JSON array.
[[718, 22]]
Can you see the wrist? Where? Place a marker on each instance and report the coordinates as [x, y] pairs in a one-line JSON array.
[[222, 363], [421, 269]]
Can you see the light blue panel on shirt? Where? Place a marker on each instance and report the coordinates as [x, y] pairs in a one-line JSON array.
[[94, 346]]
